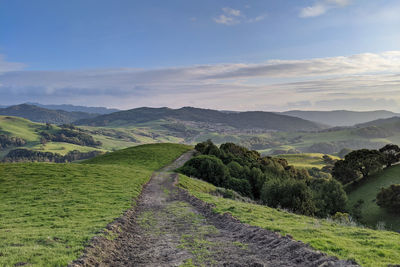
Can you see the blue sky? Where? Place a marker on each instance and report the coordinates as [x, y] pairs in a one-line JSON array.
[[243, 55]]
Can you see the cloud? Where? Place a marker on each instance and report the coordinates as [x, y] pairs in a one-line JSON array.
[[320, 7], [273, 85], [9, 66], [229, 16], [356, 64], [232, 16]]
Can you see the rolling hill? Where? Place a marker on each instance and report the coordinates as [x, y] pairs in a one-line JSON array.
[[389, 123], [30, 132], [73, 108], [341, 117], [240, 120], [38, 114]]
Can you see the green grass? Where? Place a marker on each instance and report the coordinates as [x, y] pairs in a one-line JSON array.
[[367, 191], [368, 247], [152, 156], [62, 148], [20, 127], [306, 160], [48, 212]]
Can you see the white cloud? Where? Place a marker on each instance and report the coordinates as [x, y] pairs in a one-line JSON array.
[[232, 16], [263, 86], [320, 7], [9, 66], [229, 16], [231, 12]]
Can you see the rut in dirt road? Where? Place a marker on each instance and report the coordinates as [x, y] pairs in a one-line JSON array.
[[171, 228]]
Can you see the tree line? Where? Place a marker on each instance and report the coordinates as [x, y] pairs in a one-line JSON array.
[[68, 134], [8, 141], [23, 155], [271, 181]]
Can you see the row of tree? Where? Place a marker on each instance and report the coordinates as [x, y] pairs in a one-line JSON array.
[[68, 134], [23, 155], [268, 180]]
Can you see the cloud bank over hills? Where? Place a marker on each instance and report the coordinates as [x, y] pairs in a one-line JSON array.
[[357, 82]]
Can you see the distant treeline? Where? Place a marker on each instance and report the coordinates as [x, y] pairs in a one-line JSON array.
[[268, 180], [8, 141], [23, 155], [68, 134]]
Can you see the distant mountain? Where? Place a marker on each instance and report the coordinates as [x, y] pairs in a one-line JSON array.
[[240, 120], [341, 117], [38, 114], [72, 108], [393, 123]]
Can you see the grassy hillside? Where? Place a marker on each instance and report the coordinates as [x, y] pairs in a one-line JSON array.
[[367, 191], [50, 211], [306, 160], [368, 247], [15, 126], [30, 131]]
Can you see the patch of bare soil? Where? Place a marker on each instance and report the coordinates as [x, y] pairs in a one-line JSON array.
[[169, 227]]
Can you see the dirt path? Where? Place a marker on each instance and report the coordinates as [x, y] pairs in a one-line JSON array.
[[171, 228]]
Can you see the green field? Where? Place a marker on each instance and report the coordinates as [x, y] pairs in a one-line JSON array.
[[367, 191], [306, 160], [20, 127], [368, 247], [48, 212]]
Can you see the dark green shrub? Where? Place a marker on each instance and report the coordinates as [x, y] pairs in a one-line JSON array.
[[389, 197], [208, 168], [329, 196], [291, 194]]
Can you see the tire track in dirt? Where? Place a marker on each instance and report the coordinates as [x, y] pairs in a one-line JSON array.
[[171, 228]]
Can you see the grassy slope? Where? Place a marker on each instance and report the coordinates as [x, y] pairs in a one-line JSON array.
[[371, 212], [305, 160], [23, 128], [15, 126], [368, 247], [48, 212]]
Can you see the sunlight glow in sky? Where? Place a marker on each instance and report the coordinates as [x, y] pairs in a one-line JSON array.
[[228, 54]]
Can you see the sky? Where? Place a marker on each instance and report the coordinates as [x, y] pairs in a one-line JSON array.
[[221, 54]]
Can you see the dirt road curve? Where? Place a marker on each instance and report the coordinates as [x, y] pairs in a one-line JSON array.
[[170, 228]]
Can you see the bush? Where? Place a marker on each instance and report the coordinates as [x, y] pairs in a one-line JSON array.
[[290, 194], [329, 196], [241, 186], [208, 168], [389, 197]]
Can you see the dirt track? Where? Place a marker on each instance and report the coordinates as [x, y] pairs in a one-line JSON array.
[[171, 228]]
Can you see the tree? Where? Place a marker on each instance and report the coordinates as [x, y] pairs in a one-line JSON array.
[[344, 173], [391, 153], [208, 168], [288, 193], [329, 196], [358, 164], [236, 170], [241, 186], [389, 197]]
